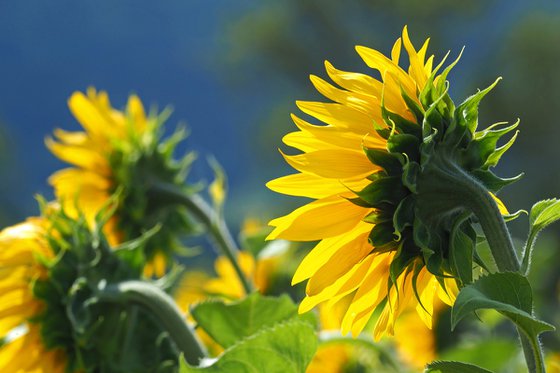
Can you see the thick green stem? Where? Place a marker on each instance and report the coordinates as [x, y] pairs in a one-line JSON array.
[[447, 187], [163, 308], [533, 352], [457, 189], [213, 222]]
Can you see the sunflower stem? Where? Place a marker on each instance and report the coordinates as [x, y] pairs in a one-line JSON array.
[[163, 308], [211, 219], [452, 188], [446, 188]]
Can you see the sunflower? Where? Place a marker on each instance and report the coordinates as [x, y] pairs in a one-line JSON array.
[[21, 249], [52, 317], [120, 154], [368, 166]]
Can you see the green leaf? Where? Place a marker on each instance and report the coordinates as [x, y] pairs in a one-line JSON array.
[[227, 323], [453, 367], [508, 293], [543, 213], [284, 348]]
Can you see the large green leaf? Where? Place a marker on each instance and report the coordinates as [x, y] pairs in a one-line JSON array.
[[508, 293], [287, 347], [453, 367], [543, 213], [227, 323]]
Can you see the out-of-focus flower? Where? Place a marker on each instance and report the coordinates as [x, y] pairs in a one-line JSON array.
[[51, 317], [23, 251], [382, 238], [197, 286], [122, 153]]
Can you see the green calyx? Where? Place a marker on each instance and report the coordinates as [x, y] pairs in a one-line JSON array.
[[436, 182], [96, 336], [138, 164]]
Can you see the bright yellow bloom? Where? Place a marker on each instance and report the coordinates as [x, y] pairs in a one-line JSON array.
[[416, 343], [197, 286], [331, 168], [330, 358], [21, 249], [119, 152]]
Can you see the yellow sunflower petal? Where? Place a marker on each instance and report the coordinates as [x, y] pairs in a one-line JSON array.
[[327, 217]]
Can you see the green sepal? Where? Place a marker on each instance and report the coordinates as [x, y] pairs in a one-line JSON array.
[[416, 272], [382, 130], [515, 215], [404, 215], [381, 234], [404, 126], [404, 257], [414, 107], [391, 163], [411, 170], [405, 144], [378, 216], [461, 248], [453, 367], [489, 137], [492, 182], [466, 113], [382, 191], [437, 116], [494, 158]]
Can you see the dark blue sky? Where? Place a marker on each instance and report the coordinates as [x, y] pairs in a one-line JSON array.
[[169, 52]]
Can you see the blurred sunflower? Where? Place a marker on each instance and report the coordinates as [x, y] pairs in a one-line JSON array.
[[197, 286], [121, 153], [23, 249], [381, 238], [52, 314]]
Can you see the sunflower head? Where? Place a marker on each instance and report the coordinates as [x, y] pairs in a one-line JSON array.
[[396, 170], [54, 267], [122, 153], [420, 201]]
